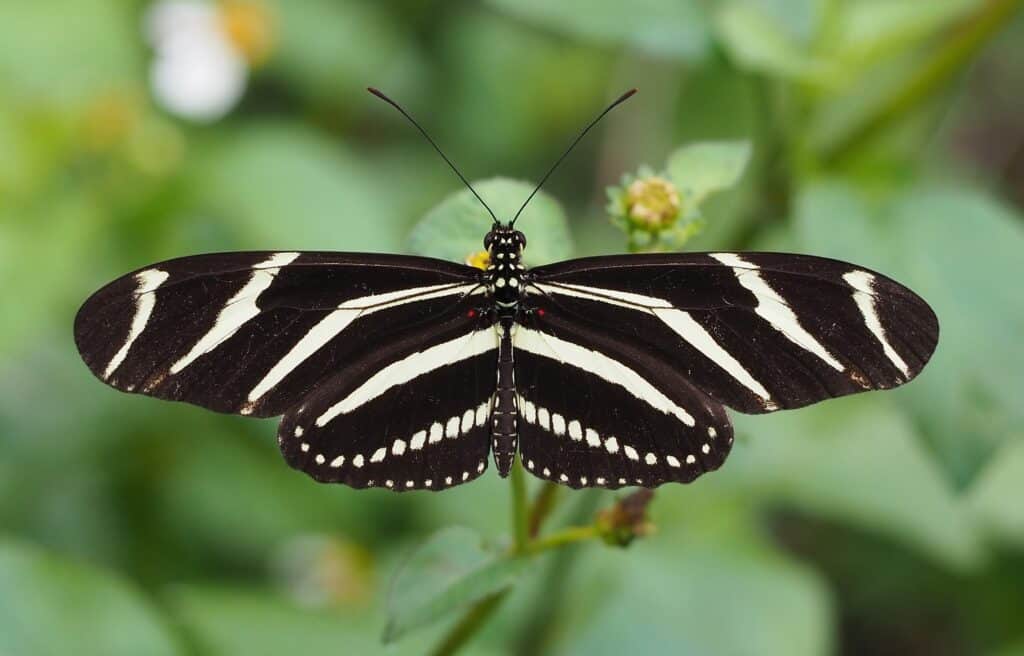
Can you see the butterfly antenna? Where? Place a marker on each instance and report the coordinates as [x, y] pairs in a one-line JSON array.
[[380, 94], [621, 99]]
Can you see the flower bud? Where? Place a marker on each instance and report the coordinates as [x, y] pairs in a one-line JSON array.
[[652, 203], [626, 520]]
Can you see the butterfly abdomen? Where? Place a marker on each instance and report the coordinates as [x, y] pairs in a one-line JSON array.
[[505, 415]]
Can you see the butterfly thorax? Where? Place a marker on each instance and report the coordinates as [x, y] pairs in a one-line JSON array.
[[505, 270]]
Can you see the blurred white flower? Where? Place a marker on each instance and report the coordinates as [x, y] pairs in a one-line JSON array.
[[203, 51]]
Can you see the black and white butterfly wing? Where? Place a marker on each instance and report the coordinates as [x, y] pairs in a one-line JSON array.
[[351, 336], [596, 410], [755, 331], [643, 351], [385, 368], [253, 333], [410, 415]]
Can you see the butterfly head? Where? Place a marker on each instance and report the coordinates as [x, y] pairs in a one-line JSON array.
[[505, 240]]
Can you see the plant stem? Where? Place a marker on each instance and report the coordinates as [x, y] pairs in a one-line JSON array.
[[520, 531], [948, 62], [522, 519], [541, 508], [469, 624], [546, 609], [483, 609], [563, 537]]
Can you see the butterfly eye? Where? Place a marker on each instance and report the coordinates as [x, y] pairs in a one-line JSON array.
[[521, 238], [488, 240]]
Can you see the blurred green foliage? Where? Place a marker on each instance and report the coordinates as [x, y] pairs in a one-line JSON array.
[[885, 132], [452, 229], [447, 573], [669, 212]]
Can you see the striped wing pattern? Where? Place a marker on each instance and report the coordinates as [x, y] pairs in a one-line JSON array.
[[757, 332], [613, 340], [253, 333], [384, 367], [412, 415], [600, 412], [265, 334]]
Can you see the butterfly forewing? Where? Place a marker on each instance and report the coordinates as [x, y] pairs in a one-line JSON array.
[[598, 411], [253, 333], [755, 331]]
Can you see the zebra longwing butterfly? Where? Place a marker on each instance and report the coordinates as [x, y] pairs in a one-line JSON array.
[[407, 372]]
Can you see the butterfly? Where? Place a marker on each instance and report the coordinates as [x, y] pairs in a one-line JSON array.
[[409, 373]]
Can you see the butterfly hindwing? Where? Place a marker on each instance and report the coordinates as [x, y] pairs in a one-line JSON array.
[[595, 411], [413, 414], [755, 331], [252, 333]]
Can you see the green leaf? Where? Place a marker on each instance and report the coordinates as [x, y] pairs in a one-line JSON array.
[[680, 596], [800, 20], [666, 28], [868, 29], [455, 229], [995, 498], [702, 169], [452, 570], [759, 43], [51, 606], [228, 621], [857, 460]]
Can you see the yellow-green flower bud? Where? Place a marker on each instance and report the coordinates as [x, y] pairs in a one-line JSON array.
[[652, 203]]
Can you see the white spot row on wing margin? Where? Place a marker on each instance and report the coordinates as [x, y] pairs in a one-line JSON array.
[[454, 427], [555, 423]]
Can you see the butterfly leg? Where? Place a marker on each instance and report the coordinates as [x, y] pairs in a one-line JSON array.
[[505, 412]]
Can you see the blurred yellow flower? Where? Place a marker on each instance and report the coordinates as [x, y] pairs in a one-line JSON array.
[[249, 26], [480, 259]]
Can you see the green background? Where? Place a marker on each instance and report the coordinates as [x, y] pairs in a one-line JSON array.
[[885, 132]]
